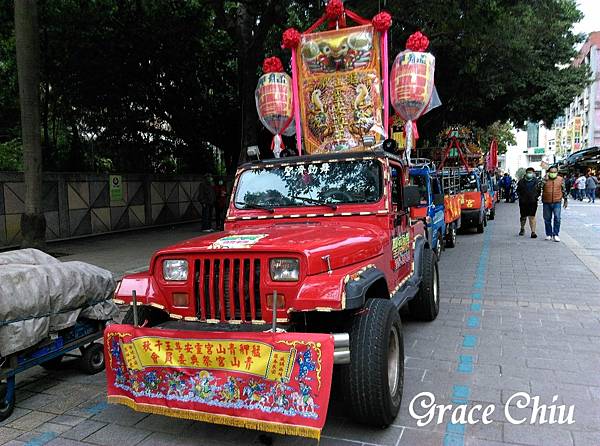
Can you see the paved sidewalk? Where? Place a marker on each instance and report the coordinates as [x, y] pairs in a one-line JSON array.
[[517, 314]]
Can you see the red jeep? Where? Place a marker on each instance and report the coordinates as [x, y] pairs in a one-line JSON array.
[[325, 239]]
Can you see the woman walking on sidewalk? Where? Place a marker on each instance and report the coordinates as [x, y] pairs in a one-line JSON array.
[[528, 190], [590, 187], [553, 193]]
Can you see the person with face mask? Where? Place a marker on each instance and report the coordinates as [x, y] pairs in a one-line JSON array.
[[528, 190], [553, 193]]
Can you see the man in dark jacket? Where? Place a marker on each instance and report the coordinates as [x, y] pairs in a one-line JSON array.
[[506, 182], [528, 189]]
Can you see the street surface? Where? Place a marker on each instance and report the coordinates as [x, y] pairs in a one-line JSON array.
[[517, 315]]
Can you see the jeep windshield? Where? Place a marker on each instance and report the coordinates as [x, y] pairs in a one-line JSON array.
[[319, 183]]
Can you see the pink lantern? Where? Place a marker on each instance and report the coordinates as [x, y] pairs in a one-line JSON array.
[[274, 102]]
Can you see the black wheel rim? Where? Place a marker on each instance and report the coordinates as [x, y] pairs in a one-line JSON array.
[[97, 360]]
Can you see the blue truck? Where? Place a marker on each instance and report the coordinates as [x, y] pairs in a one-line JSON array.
[[439, 206]]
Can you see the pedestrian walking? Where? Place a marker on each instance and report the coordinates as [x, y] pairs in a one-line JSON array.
[[506, 183], [206, 197], [553, 194], [569, 183], [221, 202], [528, 190], [590, 188], [580, 184]]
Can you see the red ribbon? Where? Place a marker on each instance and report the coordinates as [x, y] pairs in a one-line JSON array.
[[334, 9], [382, 21], [290, 38], [272, 65], [417, 42]]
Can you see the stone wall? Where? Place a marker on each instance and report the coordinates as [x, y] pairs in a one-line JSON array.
[[80, 204]]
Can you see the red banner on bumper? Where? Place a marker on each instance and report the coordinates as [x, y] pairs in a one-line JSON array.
[[273, 382]]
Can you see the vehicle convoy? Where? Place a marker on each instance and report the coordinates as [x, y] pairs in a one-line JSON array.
[[439, 205], [328, 241]]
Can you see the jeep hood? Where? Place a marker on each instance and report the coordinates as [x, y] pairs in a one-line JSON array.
[[346, 244]]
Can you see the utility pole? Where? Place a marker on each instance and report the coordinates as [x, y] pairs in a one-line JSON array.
[[33, 222]]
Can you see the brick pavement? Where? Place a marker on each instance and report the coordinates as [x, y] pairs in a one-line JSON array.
[[517, 315]]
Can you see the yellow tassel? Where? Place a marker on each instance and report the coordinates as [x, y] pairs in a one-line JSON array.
[[267, 426]]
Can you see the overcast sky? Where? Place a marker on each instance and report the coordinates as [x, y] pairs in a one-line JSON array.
[[591, 19]]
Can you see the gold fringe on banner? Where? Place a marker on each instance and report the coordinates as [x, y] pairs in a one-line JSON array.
[[267, 426]]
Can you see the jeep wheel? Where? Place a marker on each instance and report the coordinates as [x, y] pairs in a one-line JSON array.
[[425, 306], [451, 236], [374, 379], [7, 402], [480, 227], [149, 316]]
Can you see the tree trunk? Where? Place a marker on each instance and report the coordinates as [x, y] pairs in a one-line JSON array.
[[33, 222]]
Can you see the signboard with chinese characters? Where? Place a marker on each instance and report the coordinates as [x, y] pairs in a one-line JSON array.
[[340, 89], [273, 382]]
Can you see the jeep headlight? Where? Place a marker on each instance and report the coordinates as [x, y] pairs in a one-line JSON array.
[[285, 270], [175, 270]]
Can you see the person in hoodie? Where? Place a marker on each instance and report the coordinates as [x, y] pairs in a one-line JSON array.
[[528, 189]]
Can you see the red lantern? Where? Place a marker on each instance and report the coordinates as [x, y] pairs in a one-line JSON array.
[[411, 84], [274, 102]]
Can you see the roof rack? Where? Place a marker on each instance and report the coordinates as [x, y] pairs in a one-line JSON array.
[[422, 162]]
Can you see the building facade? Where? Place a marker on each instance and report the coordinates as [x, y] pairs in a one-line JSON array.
[[579, 127], [535, 147]]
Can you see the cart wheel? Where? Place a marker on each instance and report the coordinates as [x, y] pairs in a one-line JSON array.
[[53, 364], [7, 402], [92, 359]]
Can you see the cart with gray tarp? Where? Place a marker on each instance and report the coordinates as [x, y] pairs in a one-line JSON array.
[[48, 309]]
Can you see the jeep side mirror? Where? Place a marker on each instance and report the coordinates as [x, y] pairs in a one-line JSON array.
[[411, 196], [484, 188], [438, 199]]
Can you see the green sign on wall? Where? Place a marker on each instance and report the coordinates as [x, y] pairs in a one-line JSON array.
[[116, 187], [539, 151]]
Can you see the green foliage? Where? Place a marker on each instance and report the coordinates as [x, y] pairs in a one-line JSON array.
[[500, 131], [154, 85], [11, 157]]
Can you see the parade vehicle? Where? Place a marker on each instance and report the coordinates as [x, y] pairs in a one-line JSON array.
[[475, 198], [439, 205], [326, 243], [474, 212], [318, 254]]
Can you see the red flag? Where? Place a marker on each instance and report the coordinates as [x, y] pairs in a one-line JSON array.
[[492, 156]]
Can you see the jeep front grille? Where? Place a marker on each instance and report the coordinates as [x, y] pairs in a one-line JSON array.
[[227, 289]]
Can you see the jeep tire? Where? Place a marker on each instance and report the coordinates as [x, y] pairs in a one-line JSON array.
[[425, 306], [149, 315], [7, 405], [481, 225], [374, 379]]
